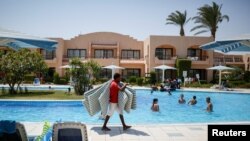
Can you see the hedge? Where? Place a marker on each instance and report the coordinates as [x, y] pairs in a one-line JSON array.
[[182, 65]]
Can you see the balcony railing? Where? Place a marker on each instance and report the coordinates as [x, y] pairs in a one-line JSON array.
[[167, 57], [49, 57], [132, 60], [104, 57], [197, 58], [165, 60], [66, 58], [228, 59]]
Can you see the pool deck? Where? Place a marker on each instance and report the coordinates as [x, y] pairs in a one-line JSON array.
[[177, 132]]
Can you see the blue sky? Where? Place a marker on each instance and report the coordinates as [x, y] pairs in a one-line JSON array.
[[137, 18]]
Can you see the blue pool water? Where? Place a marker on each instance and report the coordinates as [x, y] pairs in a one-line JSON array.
[[227, 108]]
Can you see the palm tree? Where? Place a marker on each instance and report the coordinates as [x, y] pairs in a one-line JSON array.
[[179, 19], [209, 18]]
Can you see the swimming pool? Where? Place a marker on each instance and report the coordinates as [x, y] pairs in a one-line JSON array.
[[227, 108]]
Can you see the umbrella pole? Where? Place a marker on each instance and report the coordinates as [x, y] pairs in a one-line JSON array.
[[113, 72], [70, 77], [219, 78], [163, 71]]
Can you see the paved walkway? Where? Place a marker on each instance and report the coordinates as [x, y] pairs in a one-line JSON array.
[[137, 132]]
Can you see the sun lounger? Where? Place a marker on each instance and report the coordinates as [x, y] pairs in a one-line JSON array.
[[18, 135], [69, 131]]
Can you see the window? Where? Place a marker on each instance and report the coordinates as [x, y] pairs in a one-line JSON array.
[[164, 53], [81, 53], [130, 54], [105, 73], [126, 73], [194, 52], [48, 54], [202, 73], [104, 53]]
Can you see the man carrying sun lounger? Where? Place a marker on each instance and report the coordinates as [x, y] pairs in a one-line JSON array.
[[113, 105]]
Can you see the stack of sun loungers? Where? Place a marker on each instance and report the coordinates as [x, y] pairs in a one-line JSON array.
[[97, 99]]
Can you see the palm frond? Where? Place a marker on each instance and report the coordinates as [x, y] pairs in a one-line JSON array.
[[208, 17], [226, 17], [199, 26], [202, 31]]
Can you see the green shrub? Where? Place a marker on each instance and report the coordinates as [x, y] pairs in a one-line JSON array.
[[246, 85], [132, 79], [20, 90], [238, 84], [102, 80], [29, 78], [247, 76], [152, 79], [139, 81], [3, 90], [93, 81], [203, 81], [197, 85], [26, 90], [123, 80], [63, 81], [182, 65], [56, 78]]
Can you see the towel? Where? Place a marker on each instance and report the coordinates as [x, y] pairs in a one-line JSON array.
[[7, 126]]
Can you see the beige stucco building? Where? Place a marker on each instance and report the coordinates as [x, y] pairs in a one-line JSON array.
[[138, 57]]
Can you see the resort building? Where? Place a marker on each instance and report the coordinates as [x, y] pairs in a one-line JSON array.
[[138, 57]]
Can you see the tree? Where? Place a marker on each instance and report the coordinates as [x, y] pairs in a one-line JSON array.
[[209, 18], [152, 79], [95, 68], [183, 65], [82, 73], [16, 64], [179, 19]]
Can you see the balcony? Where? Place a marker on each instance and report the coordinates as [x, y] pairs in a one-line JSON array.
[[132, 60], [66, 58], [48, 58], [159, 60], [104, 61], [199, 60], [228, 60]]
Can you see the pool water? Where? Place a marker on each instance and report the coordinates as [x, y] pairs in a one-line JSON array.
[[227, 108]]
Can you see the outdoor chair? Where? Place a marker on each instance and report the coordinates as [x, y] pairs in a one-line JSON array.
[[69, 131], [19, 135]]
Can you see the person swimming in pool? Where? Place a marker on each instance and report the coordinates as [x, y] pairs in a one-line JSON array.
[[181, 99], [209, 105], [155, 106], [192, 101]]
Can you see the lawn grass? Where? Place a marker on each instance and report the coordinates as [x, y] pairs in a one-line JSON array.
[[41, 95]]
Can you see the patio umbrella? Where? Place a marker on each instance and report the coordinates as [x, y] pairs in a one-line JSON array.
[[16, 40], [235, 46], [220, 69], [163, 68], [113, 68], [68, 67]]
